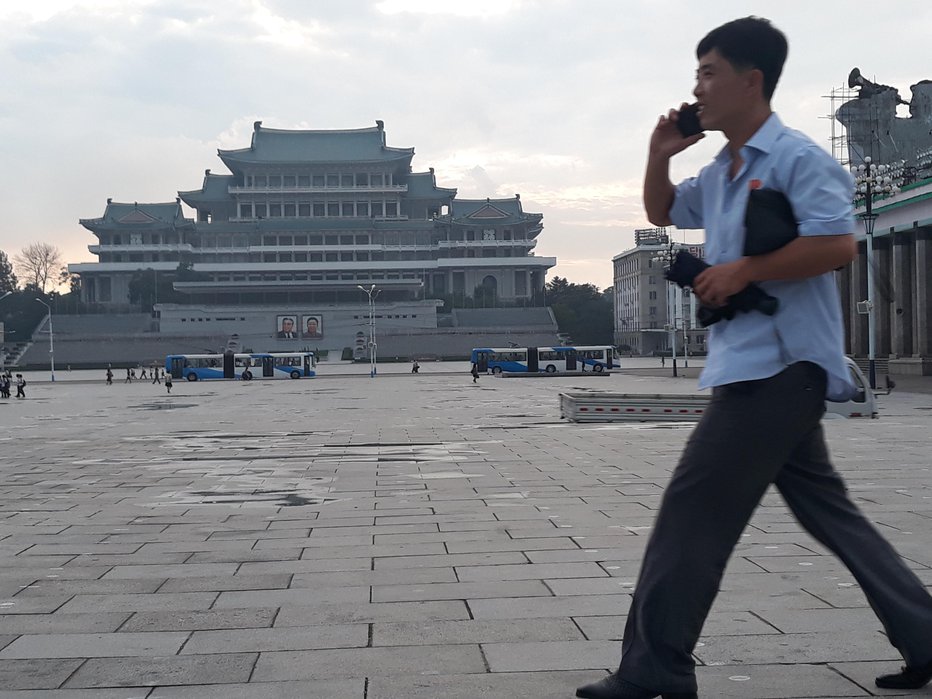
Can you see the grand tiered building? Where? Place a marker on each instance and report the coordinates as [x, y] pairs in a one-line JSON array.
[[304, 219]]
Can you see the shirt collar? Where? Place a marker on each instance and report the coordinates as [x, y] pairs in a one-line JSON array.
[[762, 140]]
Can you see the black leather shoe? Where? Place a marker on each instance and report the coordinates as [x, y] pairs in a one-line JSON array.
[[613, 687], [907, 678]]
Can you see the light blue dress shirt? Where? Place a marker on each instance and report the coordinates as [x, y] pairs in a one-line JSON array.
[[808, 324]]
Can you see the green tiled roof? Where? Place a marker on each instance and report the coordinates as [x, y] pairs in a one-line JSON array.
[[215, 188], [157, 215], [331, 146], [423, 185], [475, 212]]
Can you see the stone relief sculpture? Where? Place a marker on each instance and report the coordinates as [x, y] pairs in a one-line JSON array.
[[875, 130]]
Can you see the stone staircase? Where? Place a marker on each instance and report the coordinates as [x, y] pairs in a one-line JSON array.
[[13, 353]]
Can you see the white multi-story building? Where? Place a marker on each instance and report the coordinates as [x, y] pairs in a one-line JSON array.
[[651, 313], [303, 220]]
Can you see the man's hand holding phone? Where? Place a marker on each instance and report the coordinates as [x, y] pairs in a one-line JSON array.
[[676, 131], [687, 120]]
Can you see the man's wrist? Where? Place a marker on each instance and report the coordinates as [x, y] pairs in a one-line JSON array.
[[748, 270]]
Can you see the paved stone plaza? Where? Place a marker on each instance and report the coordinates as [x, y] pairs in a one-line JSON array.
[[404, 537]]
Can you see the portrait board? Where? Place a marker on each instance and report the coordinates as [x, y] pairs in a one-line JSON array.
[[312, 326], [286, 327]]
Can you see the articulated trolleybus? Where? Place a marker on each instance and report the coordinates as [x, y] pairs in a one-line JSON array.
[[545, 359], [266, 365]]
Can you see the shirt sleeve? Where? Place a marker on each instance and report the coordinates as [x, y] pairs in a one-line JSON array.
[[686, 211], [821, 193]]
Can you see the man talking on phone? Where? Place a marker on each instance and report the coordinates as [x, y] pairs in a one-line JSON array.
[[770, 377]]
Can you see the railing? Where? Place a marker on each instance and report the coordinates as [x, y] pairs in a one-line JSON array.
[[141, 247], [486, 243], [247, 219], [236, 189]]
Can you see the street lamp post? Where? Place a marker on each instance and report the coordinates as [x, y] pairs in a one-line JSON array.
[[371, 292], [51, 338], [672, 330], [666, 258], [869, 218], [3, 349], [873, 179]]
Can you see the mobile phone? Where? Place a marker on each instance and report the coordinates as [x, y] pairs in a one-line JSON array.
[[688, 121]]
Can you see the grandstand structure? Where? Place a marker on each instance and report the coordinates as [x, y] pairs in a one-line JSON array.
[[283, 249]]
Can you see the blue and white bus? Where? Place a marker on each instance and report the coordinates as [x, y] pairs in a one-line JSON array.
[[596, 358], [266, 365]]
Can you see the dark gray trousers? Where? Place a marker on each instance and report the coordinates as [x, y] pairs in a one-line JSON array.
[[755, 433]]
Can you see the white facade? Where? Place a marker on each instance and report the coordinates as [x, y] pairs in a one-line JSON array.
[[651, 314]]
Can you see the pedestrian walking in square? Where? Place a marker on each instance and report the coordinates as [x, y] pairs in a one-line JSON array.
[[168, 382], [770, 376], [20, 386]]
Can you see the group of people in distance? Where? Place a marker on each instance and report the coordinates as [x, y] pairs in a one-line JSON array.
[[7, 382], [158, 375]]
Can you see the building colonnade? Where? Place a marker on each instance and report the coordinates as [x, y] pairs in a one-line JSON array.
[[902, 300]]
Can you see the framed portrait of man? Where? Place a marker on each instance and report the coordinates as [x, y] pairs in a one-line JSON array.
[[286, 327], [312, 327]]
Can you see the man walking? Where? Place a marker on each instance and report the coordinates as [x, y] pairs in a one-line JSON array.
[[770, 377]]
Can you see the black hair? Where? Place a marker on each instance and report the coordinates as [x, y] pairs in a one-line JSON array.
[[747, 43]]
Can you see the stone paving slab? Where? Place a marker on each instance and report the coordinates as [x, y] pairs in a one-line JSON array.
[[63, 623], [719, 625], [352, 613], [473, 631], [799, 681], [164, 670], [401, 537], [35, 673], [321, 689], [94, 645], [551, 655], [127, 693], [787, 649], [369, 662], [199, 620], [499, 685], [279, 638]]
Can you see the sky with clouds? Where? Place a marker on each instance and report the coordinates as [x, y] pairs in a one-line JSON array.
[[552, 99]]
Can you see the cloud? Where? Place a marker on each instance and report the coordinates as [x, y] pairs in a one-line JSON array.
[[474, 8], [552, 99]]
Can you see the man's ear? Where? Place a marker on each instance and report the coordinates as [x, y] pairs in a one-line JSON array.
[[755, 80]]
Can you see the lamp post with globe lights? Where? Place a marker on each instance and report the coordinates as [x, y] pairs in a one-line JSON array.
[[871, 180], [371, 292], [51, 338], [674, 303]]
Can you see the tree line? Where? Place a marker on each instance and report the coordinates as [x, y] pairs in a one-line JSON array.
[[584, 314], [35, 273]]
